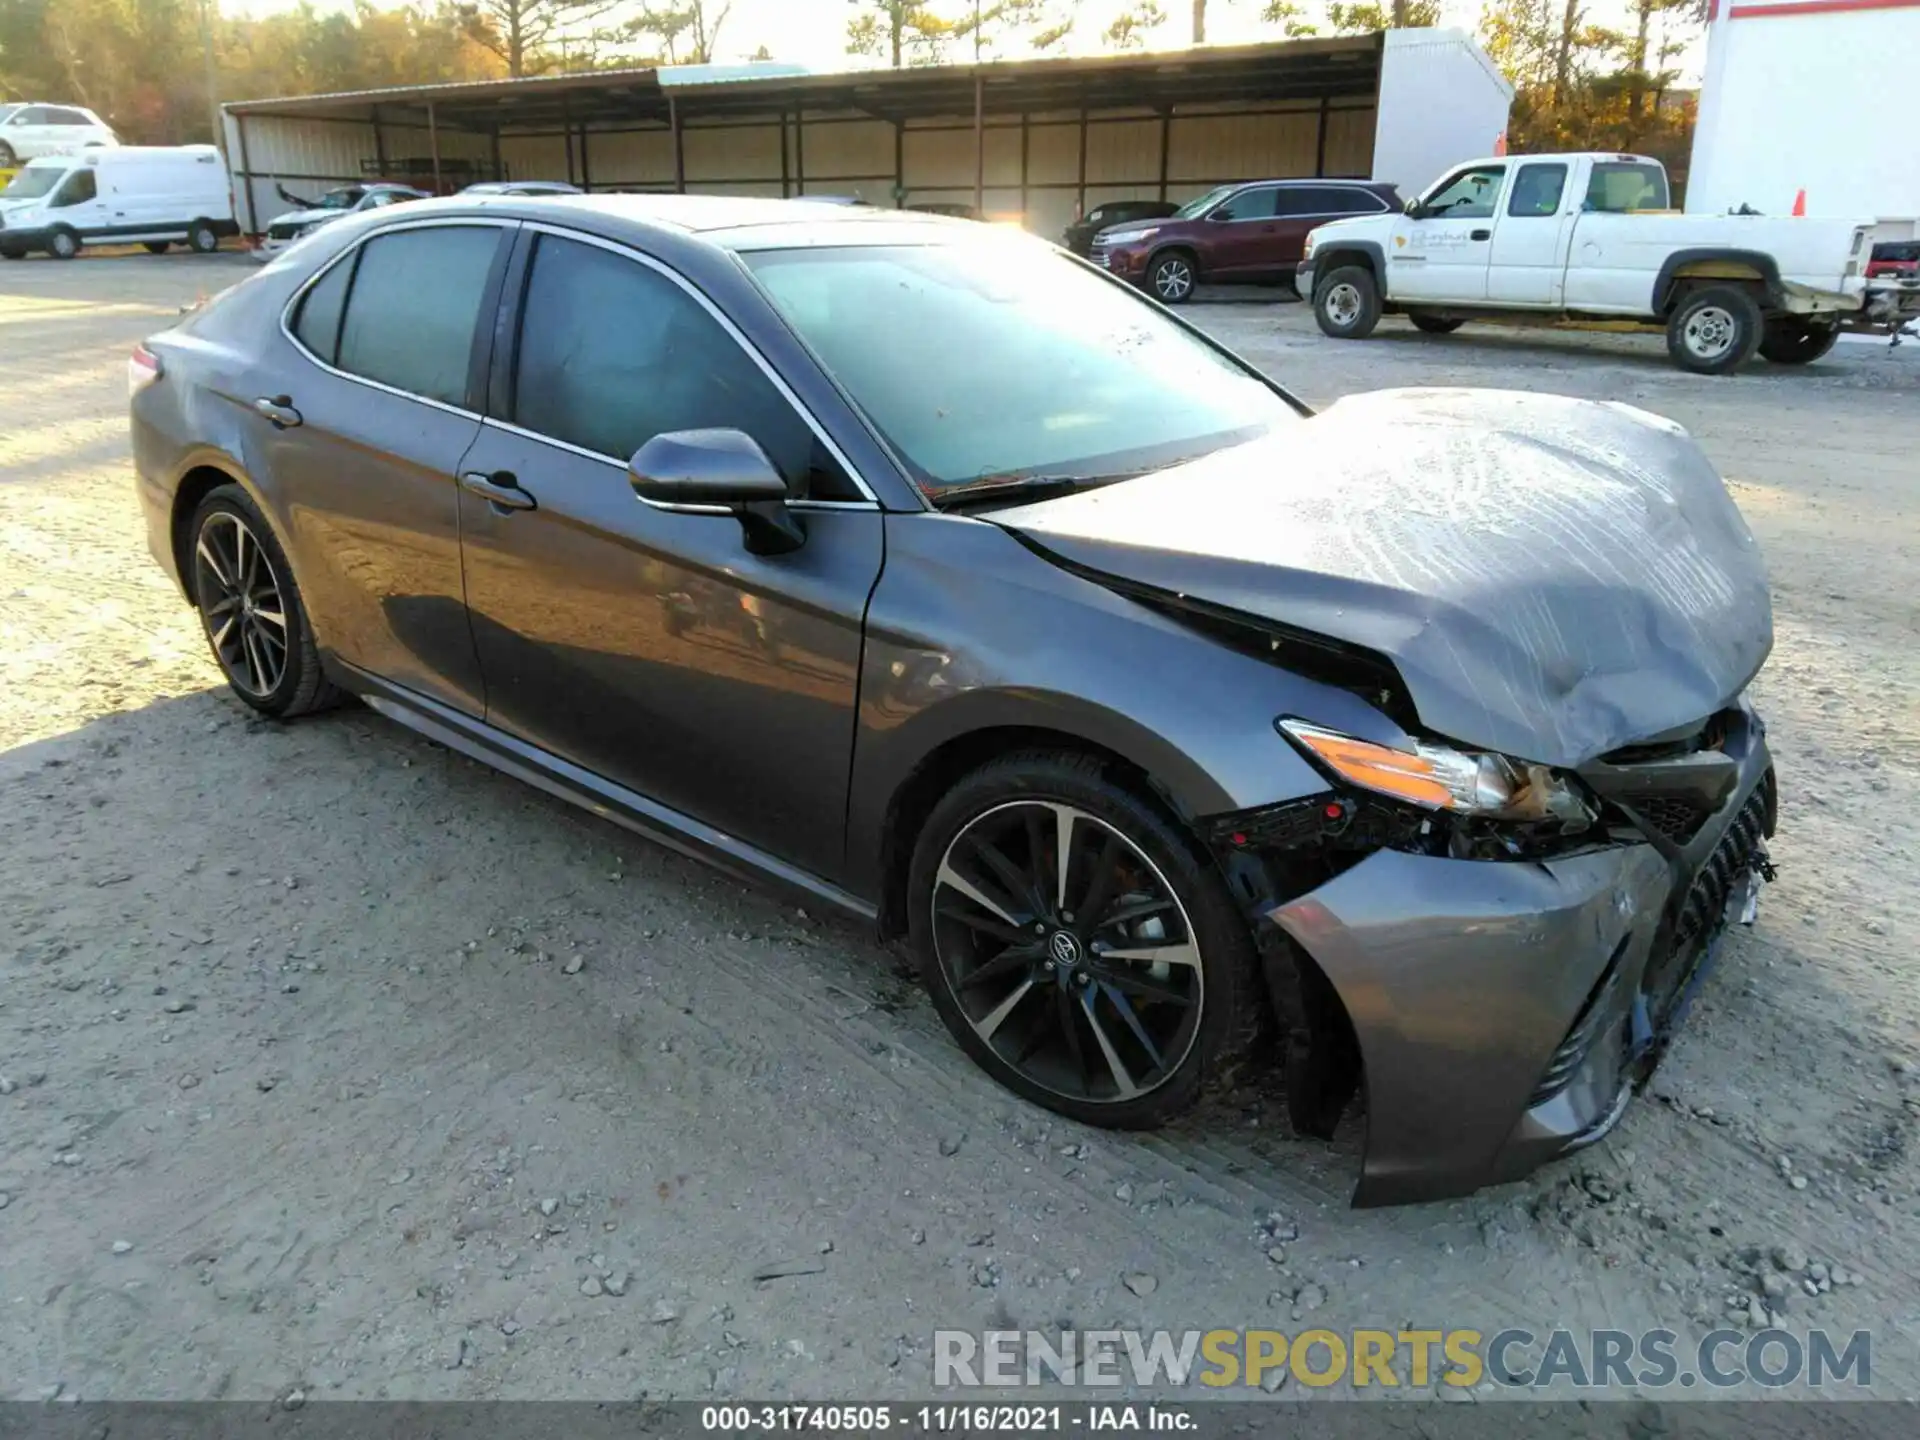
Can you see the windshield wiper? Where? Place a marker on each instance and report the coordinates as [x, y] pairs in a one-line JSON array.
[[1003, 489]]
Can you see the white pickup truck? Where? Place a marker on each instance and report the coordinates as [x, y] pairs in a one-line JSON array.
[[1590, 237]]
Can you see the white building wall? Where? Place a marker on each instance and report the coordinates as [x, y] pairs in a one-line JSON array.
[[1442, 100], [1810, 95]]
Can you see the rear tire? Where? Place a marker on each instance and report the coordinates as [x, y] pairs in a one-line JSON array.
[[1172, 276], [250, 608], [203, 239], [155, 247], [63, 244], [1714, 330], [1346, 303], [1435, 324], [1121, 1005], [1789, 340]]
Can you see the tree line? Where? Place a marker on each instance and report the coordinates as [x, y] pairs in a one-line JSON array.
[[1588, 74]]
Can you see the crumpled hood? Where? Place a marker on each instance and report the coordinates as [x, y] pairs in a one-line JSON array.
[[1552, 578], [310, 217]]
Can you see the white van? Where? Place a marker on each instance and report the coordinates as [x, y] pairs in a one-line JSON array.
[[150, 195]]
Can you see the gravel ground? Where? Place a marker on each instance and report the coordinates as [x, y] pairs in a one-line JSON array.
[[335, 1063]]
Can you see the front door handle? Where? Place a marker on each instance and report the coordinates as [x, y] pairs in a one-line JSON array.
[[500, 489], [278, 412], [1481, 235]]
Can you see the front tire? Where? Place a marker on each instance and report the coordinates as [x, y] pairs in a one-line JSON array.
[[1172, 276], [1115, 987], [250, 608], [1789, 340], [203, 239], [1435, 324], [63, 244], [1346, 303], [1714, 330]]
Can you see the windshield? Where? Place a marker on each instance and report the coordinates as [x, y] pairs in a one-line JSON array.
[[32, 183], [1003, 358], [6, 112], [343, 199], [1193, 209]]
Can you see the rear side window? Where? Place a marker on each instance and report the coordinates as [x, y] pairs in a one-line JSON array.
[[410, 316], [1619, 186], [318, 324], [613, 353], [1537, 190], [1327, 200]]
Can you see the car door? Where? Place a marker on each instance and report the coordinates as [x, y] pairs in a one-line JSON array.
[[645, 643], [78, 204], [362, 418], [1240, 234], [1442, 253], [27, 133], [1527, 262]]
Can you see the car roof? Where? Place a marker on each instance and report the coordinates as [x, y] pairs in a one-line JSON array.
[[733, 221]]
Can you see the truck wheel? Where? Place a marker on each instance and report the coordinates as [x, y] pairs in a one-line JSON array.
[[1435, 324], [63, 244], [1347, 303], [1171, 277], [203, 239], [1714, 330], [1789, 340]]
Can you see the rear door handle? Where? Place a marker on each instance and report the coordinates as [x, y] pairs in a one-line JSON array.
[[278, 412], [500, 489], [1481, 235]]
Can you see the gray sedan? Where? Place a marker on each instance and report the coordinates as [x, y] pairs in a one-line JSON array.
[[932, 575]]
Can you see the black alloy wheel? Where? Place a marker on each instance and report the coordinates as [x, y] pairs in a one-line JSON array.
[[1076, 947], [250, 608], [241, 604]]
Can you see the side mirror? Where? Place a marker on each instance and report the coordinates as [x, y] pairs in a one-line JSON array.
[[719, 468], [1417, 209]]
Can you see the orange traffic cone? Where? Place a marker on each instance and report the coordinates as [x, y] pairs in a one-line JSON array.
[[1800, 203]]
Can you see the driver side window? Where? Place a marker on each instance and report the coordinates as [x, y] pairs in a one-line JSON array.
[[613, 353], [1469, 195]]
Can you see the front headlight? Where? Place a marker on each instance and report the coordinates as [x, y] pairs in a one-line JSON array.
[[1130, 237], [1439, 777]]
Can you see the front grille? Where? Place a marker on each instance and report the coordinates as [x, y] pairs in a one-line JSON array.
[[1675, 817], [1705, 906], [1101, 258], [1587, 1028], [282, 232]]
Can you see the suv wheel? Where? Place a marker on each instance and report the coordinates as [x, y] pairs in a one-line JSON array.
[[1713, 330], [250, 608], [1347, 303], [1171, 277], [1081, 949], [8, 160]]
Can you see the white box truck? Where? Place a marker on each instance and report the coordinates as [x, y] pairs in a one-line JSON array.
[[155, 196]]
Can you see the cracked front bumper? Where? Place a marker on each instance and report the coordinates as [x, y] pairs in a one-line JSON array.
[[1504, 1011]]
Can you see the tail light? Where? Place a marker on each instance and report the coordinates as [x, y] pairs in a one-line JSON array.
[[143, 368]]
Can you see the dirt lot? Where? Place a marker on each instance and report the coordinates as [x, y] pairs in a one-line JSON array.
[[300, 1093]]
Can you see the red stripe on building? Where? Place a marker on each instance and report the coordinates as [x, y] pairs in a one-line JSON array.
[[1809, 7]]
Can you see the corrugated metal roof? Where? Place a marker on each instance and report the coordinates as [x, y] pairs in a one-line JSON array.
[[1305, 69]]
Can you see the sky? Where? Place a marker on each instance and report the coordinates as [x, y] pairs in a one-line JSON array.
[[813, 32]]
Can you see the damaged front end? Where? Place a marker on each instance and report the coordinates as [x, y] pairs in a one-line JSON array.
[[1499, 976]]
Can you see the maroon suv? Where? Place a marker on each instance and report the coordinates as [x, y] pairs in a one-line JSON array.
[[1252, 231]]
